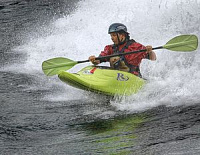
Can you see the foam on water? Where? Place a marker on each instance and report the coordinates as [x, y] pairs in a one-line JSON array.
[[174, 78]]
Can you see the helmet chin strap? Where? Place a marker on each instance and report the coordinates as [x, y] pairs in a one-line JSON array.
[[120, 42]]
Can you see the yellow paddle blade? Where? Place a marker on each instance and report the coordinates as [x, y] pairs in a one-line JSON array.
[[182, 43], [54, 66]]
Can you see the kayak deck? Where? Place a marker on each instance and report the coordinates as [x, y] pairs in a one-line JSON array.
[[103, 80]]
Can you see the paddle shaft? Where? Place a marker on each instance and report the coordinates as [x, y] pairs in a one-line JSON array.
[[182, 43], [120, 54]]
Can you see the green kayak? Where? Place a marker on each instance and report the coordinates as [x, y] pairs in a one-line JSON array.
[[103, 80]]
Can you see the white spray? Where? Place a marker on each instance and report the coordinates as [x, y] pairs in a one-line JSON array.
[[173, 79]]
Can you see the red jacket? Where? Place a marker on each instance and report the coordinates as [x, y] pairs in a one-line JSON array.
[[133, 60]]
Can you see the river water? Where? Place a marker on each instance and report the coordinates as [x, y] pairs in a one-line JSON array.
[[41, 115]]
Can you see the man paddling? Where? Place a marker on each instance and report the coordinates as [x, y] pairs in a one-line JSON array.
[[122, 44]]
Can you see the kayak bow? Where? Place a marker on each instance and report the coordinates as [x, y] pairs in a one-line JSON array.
[[103, 80]]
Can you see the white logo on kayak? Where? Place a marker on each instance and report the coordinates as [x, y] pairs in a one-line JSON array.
[[87, 72], [121, 77]]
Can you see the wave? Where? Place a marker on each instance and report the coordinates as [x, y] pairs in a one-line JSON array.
[[174, 79]]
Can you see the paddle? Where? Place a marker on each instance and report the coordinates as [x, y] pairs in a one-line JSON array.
[[182, 43]]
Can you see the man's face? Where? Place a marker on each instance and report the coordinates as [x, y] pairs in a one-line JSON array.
[[115, 39]]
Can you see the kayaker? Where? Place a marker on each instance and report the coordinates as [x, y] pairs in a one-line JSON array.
[[123, 43]]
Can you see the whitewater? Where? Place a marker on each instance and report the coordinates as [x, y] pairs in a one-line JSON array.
[[173, 79]]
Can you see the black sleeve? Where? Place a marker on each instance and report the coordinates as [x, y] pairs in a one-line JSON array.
[[148, 56]]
